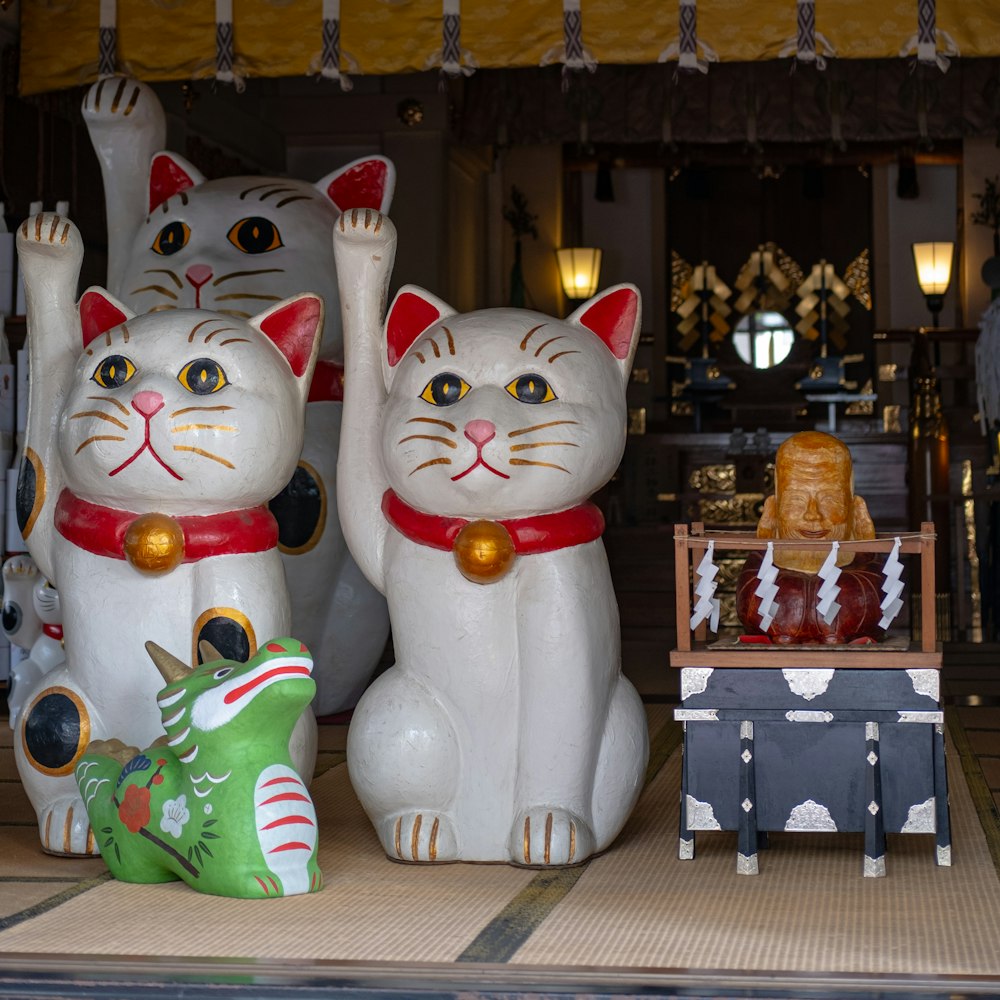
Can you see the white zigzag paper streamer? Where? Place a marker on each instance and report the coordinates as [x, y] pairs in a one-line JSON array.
[[707, 605], [767, 589], [829, 573], [892, 587]]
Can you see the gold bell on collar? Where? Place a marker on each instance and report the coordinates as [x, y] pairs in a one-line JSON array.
[[154, 544], [484, 551]]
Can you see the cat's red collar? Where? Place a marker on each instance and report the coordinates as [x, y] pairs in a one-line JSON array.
[[102, 531], [530, 535]]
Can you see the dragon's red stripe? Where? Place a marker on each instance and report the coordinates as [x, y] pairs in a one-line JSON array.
[[286, 820], [281, 781], [292, 845], [284, 797], [262, 885]]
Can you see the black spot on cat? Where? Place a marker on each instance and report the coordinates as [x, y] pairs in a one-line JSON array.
[[54, 731], [300, 510], [11, 618], [229, 637], [26, 489]]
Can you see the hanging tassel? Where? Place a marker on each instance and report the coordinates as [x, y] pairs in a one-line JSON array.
[[685, 48], [707, 605], [573, 53], [933, 47], [804, 45], [107, 59], [767, 589], [892, 587], [224, 71], [455, 61], [330, 52], [826, 597]]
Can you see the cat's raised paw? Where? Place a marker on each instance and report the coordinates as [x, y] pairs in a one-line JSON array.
[[547, 836], [49, 238], [419, 837], [120, 100], [64, 828]]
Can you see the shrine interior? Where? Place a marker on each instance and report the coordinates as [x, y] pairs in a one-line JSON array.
[[767, 210]]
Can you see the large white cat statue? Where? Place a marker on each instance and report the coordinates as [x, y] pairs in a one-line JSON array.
[[505, 731], [153, 445], [234, 245]]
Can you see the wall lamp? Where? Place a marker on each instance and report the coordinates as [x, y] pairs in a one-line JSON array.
[[579, 270], [933, 264]]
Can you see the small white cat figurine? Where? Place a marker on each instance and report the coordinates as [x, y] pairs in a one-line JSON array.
[[505, 731], [234, 245], [153, 445], [32, 620]]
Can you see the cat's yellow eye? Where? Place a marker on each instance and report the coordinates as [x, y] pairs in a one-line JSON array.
[[202, 376], [445, 389], [171, 238], [531, 389], [113, 371], [255, 235]]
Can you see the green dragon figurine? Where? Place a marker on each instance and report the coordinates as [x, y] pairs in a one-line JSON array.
[[216, 802]]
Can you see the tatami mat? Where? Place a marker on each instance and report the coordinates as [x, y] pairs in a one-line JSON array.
[[637, 906]]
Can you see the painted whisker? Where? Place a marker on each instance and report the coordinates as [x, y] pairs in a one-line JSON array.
[[205, 454], [433, 461], [98, 437], [98, 415], [538, 427], [428, 437], [546, 465]]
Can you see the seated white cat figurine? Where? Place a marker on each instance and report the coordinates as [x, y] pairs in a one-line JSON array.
[[32, 620], [505, 731], [153, 445], [234, 244]]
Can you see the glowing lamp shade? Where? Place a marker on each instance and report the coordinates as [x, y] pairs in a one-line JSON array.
[[580, 270], [933, 264]]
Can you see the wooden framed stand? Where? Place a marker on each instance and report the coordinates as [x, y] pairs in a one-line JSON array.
[[810, 738]]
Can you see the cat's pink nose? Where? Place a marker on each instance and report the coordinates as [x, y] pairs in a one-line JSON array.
[[479, 432], [198, 274], [147, 402]]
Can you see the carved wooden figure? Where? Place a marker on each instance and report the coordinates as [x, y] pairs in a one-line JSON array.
[[153, 444], [178, 240], [505, 731], [814, 502], [218, 803]]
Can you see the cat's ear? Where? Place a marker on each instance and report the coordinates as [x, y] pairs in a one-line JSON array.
[[294, 326], [168, 175], [412, 311], [615, 315], [365, 183], [100, 311]]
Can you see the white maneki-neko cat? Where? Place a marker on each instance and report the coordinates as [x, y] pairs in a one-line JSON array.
[[505, 731]]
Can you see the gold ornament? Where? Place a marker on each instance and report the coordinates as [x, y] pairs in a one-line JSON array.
[[154, 544], [484, 551]]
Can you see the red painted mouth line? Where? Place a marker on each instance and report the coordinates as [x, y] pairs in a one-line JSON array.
[[146, 446], [245, 689], [475, 465]]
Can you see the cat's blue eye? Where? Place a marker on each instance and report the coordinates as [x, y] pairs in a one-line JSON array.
[[171, 238], [445, 389], [255, 235], [531, 389], [113, 372], [202, 376]]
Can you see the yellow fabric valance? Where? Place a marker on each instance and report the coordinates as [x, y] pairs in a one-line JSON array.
[[177, 39]]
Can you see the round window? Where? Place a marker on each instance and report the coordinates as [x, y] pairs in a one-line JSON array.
[[763, 339]]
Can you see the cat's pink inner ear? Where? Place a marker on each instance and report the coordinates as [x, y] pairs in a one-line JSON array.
[[293, 330], [98, 315], [612, 318], [362, 186], [409, 316], [166, 178]]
